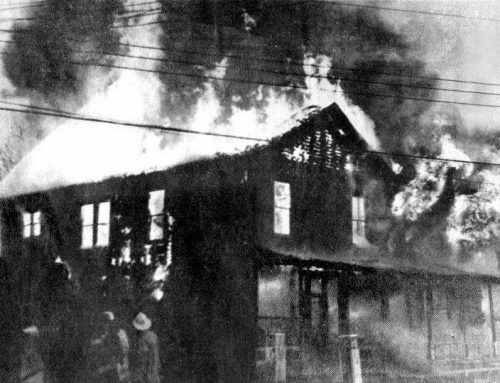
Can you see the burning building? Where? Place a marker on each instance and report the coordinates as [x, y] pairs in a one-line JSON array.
[[315, 235]]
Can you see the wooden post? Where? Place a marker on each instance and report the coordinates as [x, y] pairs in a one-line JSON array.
[[305, 306], [280, 356], [492, 320], [344, 326], [355, 360], [324, 310], [429, 310]]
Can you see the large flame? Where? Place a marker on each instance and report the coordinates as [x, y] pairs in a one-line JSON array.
[[424, 190], [475, 219]]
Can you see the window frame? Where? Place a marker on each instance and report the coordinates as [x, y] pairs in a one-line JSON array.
[[283, 205], [95, 222], [162, 214], [358, 217], [33, 225]]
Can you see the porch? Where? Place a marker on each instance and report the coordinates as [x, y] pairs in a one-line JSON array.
[[411, 327]]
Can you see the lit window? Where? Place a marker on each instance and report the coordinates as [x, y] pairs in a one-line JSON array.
[[156, 208], [103, 216], [358, 220], [87, 213], [32, 224], [282, 203], [95, 225]]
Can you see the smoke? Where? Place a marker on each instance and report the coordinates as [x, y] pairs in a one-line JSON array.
[[37, 67], [266, 61], [41, 58], [217, 73], [463, 48]]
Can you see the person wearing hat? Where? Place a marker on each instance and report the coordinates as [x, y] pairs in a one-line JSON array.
[[147, 363], [105, 350]]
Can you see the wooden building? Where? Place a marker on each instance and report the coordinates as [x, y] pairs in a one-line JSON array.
[[292, 237]]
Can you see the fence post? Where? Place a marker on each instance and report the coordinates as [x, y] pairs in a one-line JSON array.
[[280, 356], [353, 373]]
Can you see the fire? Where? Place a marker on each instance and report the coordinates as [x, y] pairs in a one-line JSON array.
[[424, 190], [475, 219]]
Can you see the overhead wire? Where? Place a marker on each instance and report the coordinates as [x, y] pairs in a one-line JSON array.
[[267, 83], [273, 4], [273, 72], [64, 114], [290, 3], [291, 62], [58, 113]]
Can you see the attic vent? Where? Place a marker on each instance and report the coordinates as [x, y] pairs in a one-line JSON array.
[[321, 148]]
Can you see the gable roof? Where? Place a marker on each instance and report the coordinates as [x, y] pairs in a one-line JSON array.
[[86, 153]]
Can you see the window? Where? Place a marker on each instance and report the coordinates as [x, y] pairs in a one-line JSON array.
[[282, 204], [156, 208], [95, 225], [32, 224], [358, 220]]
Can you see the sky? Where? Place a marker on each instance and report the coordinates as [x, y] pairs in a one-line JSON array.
[[464, 48]]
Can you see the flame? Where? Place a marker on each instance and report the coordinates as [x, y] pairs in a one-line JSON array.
[[424, 190], [475, 219], [160, 273]]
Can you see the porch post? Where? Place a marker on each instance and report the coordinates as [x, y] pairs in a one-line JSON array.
[[429, 310], [280, 356], [492, 320], [305, 305], [344, 325], [324, 310]]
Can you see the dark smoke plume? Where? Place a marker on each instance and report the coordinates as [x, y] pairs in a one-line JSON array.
[[359, 44], [40, 59]]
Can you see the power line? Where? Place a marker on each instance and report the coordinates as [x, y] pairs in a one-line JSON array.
[[255, 82], [301, 64], [274, 4], [334, 68], [301, 2], [42, 108], [405, 10], [35, 110], [296, 63], [67, 115], [281, 73]]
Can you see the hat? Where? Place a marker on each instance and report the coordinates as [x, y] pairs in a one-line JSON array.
[[142, 322], [108, 315]]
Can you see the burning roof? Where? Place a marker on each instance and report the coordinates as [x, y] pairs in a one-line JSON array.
[[85, 153]]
